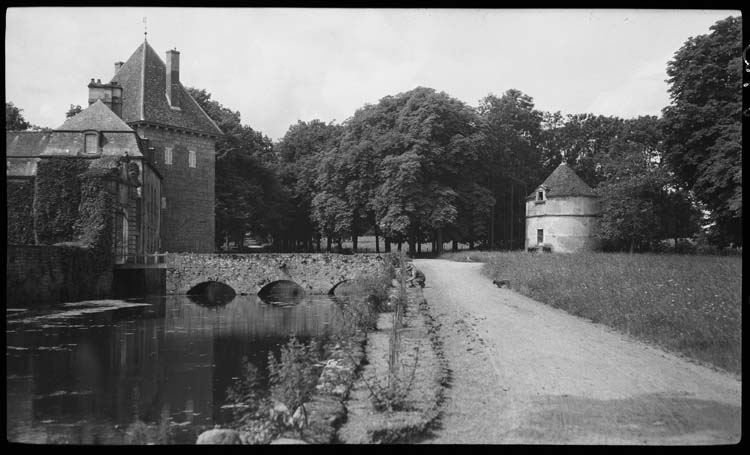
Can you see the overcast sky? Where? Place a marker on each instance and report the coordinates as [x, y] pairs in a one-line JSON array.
[[277, 66]]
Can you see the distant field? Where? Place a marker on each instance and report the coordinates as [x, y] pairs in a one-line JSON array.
[[366, 244], [689, 304]]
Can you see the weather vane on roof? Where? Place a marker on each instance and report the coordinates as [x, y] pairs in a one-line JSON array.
[[145, 28]]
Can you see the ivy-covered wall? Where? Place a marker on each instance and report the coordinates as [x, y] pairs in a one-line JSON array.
[[57, 195], [20, 211], [73, 211]]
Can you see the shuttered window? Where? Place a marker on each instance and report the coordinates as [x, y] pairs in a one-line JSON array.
[[191, 158], [168, 155], [92, 143]]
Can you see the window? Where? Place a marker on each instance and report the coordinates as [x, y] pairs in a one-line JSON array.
[[191, 158], [91, 144], [163, 202], [540, 196], [539, 236], [168, 155]]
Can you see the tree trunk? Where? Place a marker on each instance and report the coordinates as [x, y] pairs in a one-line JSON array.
[[328, 244], [439, 242], [399, 246], [338, 242], [471, 244], [455, 246], [492, 226], [354, 243], [419, 247], [377, 239], [412, 241], [387, 241], [512, 220]]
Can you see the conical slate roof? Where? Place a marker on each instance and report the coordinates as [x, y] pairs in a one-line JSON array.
[[143, 80], [95, 117], [563, 181]]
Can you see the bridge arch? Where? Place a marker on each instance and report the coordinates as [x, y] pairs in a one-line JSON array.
[[211, 293], [282, 290], [344, 282]]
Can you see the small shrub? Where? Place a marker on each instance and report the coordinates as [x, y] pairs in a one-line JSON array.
[[294, 376], [246, 396]]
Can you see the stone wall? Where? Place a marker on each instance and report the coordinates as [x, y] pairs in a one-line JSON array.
[[569, 223], [51, 274], [187, 220], [249, 273]]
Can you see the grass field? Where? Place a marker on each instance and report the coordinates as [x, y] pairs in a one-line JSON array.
[[688, 304]]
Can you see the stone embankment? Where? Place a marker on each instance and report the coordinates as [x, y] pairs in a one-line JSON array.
[[342, 409], [422, 374], [325, 411]]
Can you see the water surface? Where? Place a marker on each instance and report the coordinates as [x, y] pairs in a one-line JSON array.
[[154, 371]]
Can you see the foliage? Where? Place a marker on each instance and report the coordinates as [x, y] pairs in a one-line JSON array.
[[294, 376], [405, 161], [246, 395], [365, 297], [394, 394], [688, 304], [14, 120], [73, 111], [57, 198], [299, 152], [513, 130], [20, 212], [703, 137], [638, 203], [249, 194]]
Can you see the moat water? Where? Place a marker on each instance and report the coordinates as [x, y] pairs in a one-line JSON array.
[[141, 371]]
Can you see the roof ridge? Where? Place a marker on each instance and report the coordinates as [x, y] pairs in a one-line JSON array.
[[201, 109], [142, 102]]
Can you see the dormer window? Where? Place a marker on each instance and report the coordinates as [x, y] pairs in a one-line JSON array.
[[539, 196], [91, 143]]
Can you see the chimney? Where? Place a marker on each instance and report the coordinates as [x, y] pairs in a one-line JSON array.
[[118, 65], [110, 94], [173, 78]]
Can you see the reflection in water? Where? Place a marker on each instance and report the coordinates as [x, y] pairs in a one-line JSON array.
[[157, 375], [282, 292], [211, 293]]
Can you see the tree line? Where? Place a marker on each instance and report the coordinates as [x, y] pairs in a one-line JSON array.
[[422, 166]]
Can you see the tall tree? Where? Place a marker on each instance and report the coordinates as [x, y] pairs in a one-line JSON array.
[[299, 153], [513, 129], [426, 146], [74, 110], [14, 120], [703, 123], [639, 204], [249, 195]]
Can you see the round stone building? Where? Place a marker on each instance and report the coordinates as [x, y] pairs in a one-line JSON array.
[[562, 213]]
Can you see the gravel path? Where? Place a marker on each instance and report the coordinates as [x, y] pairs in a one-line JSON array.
[[525, 373]]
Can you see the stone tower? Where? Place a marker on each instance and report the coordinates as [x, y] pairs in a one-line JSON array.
[[180, 138], [562, 213]]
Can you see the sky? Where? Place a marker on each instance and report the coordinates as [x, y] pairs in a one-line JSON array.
[[277, 66]]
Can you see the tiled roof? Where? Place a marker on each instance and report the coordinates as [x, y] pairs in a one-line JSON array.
[[563, 181], [95, 117], [143, 80], [26, 143]]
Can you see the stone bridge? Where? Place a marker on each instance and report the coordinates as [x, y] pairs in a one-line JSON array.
[[251, 273]]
